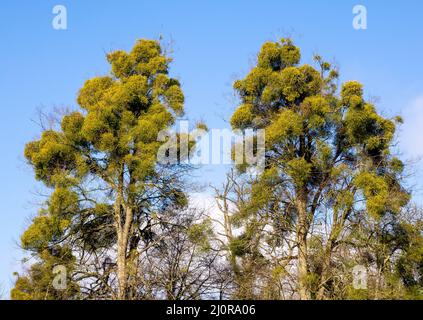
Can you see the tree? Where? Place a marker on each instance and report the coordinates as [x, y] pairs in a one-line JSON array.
[[182, 264], [257, 256], [107, 188], [392, 251], [327, 154], [118, 221], [38, 284]]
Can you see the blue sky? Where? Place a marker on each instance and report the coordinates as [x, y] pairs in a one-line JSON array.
[[214, 42]]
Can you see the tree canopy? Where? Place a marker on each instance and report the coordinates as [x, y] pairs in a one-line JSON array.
[[107, 187], [332, 195], [327, 154]]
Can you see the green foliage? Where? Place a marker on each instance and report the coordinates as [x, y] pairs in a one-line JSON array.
[[326, 151], [201, 233], [102, 161], [409, 266], [37, 284], [239, 246], [327, 156], [309, 128], [286, 124], [42, 231], [299, 170], [124, 114], [278, 55], [243, 117]]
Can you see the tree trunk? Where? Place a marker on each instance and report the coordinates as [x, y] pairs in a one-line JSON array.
[[122, 248], [302, 230], [321, 294], [302, 267], [337, 227], [121, 267]]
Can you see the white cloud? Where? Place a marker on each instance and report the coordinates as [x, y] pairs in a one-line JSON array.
[[207, 203], [203, 201], [411, 136], [411, 145]]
